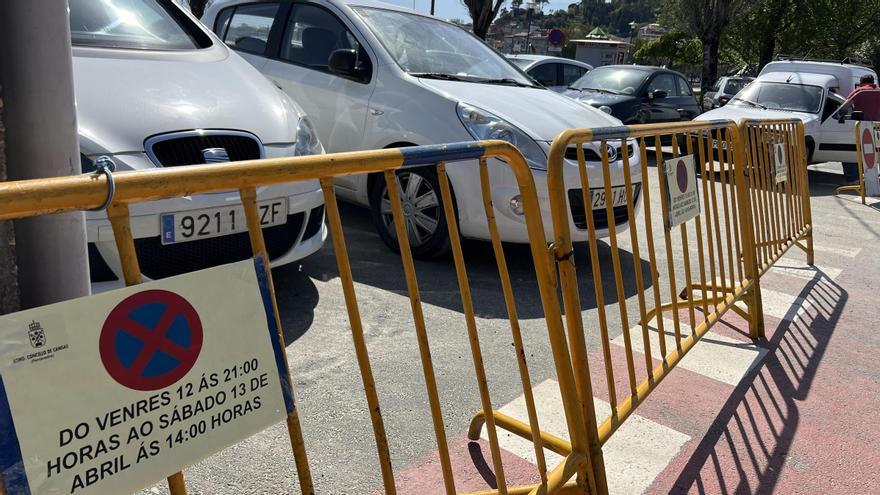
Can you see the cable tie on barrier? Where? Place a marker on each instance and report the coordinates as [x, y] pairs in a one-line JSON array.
[[105, 165]]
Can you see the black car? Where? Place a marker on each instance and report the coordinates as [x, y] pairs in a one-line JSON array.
[[637, 94], [724, 89]]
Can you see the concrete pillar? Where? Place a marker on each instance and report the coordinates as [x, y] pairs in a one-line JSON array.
[[36, 74]]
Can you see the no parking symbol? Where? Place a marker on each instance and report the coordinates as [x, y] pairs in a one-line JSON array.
[[151, 340]]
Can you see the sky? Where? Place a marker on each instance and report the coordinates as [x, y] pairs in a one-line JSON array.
[[454, 9]]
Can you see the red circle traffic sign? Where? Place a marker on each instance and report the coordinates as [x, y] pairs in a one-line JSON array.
[[868, 148], [556, 37], [681, 176], [150, 340]]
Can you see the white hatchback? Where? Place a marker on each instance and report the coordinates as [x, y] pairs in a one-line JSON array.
[[155, 89], [374, 75]]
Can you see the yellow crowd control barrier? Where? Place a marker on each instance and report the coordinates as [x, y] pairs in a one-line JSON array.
[[41, 197], [866, 152], [776, 170]]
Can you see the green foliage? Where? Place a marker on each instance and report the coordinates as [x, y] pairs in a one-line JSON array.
[[673, 49]]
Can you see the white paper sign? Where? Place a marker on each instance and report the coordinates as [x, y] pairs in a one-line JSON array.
[[681, 190], [114, 392], [780, 163], [870, 167]]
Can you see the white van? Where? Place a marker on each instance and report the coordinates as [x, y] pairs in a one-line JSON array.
[[375, 75], [815, 92]]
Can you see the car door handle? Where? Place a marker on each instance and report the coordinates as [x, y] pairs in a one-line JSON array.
[[376, 112], [680, 110]]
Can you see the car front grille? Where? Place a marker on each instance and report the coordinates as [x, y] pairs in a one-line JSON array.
[[600, 217], [186, 148], [592, 156], [160, 261]]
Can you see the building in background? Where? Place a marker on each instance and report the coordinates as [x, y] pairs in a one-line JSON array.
[[600, 48], [650, 32]]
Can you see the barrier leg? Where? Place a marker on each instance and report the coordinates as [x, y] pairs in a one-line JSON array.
[[120, 220]]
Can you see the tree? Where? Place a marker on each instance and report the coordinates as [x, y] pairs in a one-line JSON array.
[[707, 20], [482, 13], [198, 7]]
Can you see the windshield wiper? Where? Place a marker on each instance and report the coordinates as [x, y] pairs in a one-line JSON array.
[[507, 82], [597, 90], [750, 102], [440, 75]]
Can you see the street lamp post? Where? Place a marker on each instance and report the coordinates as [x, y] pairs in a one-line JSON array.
[[529, 7]]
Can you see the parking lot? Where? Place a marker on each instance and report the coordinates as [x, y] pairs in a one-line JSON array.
[[746, 430]]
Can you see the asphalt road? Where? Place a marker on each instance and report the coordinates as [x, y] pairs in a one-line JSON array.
[[333, 409]]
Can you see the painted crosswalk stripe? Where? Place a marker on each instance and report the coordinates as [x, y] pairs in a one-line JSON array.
[[837, 251], [715, 356], [807, 272], [781, 305], [639, 450]]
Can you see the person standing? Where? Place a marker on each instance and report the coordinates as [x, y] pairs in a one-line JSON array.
[[850, 169]]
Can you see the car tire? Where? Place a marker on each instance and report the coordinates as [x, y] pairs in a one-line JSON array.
[[423, 210]]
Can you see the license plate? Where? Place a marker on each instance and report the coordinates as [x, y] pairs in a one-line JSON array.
[[618, 196], [192, 225]]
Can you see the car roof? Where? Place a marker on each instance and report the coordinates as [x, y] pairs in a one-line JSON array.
[[350, 3], [543, 58], [644, 68], [814, 79]]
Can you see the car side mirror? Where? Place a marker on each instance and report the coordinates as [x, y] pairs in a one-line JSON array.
[[858, 115], [658, 93], [344, 63]]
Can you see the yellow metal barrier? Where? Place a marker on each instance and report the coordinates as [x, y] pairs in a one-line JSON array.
[[776, 170], [859, 187], [40, 197]]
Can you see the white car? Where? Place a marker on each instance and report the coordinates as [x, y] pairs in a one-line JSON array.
[[555, 73], [814, 92], [374, 75], [155, 89]]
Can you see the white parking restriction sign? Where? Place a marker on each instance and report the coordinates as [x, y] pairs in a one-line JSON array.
[[779, 162], [868, 145], [114, 392], [682, 195]]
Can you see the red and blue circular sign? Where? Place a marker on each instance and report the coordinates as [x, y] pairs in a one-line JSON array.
[[681, 176], [150, 340], [556, 37], [868, 148]]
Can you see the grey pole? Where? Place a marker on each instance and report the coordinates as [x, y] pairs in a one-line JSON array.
[[36, 74]]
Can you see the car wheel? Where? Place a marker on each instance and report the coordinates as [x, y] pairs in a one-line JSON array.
[[423, 213]]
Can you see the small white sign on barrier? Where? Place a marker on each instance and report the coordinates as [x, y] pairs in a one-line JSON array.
[[781, 166], [870, 166], [682, 195], [114, 392]]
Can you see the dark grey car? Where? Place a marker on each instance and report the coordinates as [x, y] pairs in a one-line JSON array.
[[637, 94], [725, 89]]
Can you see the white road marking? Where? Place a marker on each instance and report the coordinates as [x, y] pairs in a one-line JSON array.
[[715, 356], [837, 251], [636, 453], [807, 272], [781, 305]]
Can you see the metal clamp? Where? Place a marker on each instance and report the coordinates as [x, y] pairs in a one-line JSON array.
[[105, 165]]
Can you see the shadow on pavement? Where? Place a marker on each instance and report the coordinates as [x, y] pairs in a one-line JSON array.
[[297, 298], [748, 445], [375, 265]]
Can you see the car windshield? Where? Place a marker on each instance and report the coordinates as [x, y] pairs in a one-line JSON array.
[[134, 24], [734, 86], [426, 47], [780, 96], [617, 80]]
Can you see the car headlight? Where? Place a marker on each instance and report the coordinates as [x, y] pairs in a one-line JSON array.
[[307, 142], [484, 125], [606, 109]]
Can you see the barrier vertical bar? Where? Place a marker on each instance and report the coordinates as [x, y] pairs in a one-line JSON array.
[[749, 248], [652, 256], [357, 334], [294, 429], [670, 263], [409, 269], [471, 323], [701, 156], [805, 195], [120, 221]]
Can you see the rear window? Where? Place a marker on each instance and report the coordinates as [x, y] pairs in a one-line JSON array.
[[734, 86], [133, 24]]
